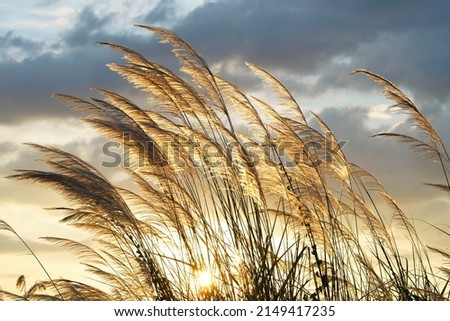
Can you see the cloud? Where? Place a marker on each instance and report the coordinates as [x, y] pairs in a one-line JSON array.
[[163, 13], [329, 39], [26, 91], [10, 245], [87, 26], [401, 170], [72, 136], [72, 64], [16, 48], [310, 45]]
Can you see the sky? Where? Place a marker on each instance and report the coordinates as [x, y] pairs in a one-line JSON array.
[[312, 46]]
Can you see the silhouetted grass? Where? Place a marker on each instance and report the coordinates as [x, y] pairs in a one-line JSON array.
[[232, 186]]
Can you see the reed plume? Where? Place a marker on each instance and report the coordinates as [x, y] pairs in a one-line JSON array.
[[233, 186]]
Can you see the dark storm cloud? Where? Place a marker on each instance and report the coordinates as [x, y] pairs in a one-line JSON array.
[[26, 87], [406, 41], [279, 33]]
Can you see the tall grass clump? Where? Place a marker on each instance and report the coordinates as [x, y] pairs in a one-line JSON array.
[[246, 192]]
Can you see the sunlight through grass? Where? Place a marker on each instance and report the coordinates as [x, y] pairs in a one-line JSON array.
[[218, 176], [204, 279]]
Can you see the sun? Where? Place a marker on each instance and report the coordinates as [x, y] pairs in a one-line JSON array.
[[204, 278]]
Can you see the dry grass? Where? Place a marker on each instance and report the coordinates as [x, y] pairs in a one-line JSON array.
[[272, 212]]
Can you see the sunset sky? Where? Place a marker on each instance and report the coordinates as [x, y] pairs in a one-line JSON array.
[[312, 46]]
